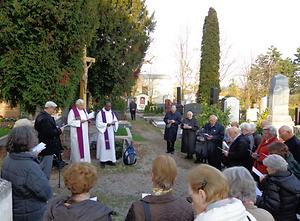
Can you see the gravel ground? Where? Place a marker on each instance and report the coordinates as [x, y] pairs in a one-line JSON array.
[[119, 186]]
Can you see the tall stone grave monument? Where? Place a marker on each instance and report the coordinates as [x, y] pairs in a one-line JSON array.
[[233, 104], [278, 102]]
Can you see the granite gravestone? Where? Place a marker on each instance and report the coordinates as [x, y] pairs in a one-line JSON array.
[[5, 201], [194, 107], [233, 104], [278, 102]]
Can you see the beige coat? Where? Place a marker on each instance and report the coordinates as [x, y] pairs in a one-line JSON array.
[[259, 214]]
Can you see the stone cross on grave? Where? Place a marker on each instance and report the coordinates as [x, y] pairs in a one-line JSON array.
[[87, 62]]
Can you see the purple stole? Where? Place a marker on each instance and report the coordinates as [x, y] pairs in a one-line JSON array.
[[106, 138], [79, 132]]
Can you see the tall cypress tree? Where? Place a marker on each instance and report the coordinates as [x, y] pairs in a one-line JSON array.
[[210, 57]]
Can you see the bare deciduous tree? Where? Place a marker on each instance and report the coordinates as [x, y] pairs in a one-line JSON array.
[[187, 76], [227, 62]]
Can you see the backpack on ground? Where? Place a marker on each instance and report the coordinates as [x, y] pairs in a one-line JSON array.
[[129, 155]]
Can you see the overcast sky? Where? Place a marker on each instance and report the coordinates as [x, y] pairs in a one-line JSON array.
[[247, 27]]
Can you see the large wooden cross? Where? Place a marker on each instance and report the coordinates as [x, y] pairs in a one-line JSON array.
[[87, 62]]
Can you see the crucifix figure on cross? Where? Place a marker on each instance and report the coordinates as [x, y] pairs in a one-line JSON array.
[[87, 62]]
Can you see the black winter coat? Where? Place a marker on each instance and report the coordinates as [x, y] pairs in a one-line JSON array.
[[217, 131], [48, 133], [239, 153], [294, 147], [171, 130], [280, 196], [30, 187]]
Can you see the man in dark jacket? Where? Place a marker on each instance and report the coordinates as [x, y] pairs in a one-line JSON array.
[[281, 190], [286, 134], [215, 136], [172, 120], [239, 151], [48, 133], [132, 109]]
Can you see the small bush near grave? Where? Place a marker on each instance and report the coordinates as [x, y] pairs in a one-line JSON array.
[[207, 110]]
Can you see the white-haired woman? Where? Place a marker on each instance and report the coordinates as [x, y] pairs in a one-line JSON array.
[[189, 126], [281, 190], [246, 132], [79, 135], [243, 187]]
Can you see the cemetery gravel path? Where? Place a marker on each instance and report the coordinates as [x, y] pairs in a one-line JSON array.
[[119, 186]]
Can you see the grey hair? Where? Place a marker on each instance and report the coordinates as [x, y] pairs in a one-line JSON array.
[[235, 129], [286, 128], [275, 161], [190, 113], [214, 116], [253, 127], [21, 139], [272, 130], [174, 106], [245, 126], [79, 102], [241, 184], [23, 122]]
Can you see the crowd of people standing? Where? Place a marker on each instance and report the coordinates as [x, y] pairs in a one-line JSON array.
[[267, 162], [243, 175]]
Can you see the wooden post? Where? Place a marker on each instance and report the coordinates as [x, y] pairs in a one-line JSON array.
[[87, 62]]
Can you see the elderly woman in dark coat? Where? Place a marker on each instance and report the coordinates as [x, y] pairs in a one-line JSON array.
[[189, 126], [281, 190], [30, 187]]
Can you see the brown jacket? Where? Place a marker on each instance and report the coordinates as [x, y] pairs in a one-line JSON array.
[[86, 210], [259, 214], [163, 208]]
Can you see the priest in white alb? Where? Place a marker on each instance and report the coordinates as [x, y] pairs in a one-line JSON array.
[[107, 125], [79, 134]]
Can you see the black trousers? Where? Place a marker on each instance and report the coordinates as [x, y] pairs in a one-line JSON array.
[[170, 146], [215, 158], [132, 113]]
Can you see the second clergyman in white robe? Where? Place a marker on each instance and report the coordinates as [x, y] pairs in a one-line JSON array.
[[74, 124], [106, 150]]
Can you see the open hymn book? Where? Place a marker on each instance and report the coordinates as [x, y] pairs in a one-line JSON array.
[[39, 148]]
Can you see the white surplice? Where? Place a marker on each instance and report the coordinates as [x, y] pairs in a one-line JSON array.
[[75, 154], [104, 154]]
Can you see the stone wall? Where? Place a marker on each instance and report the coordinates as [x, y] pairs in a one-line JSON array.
[[5, 200], [7, 112]]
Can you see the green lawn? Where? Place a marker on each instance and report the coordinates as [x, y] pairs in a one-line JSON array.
[[121, 132], [138, 138], [4, 131], [178, 145], [135, 137]]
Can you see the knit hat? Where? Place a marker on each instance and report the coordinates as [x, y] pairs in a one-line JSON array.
[[274, 161]]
